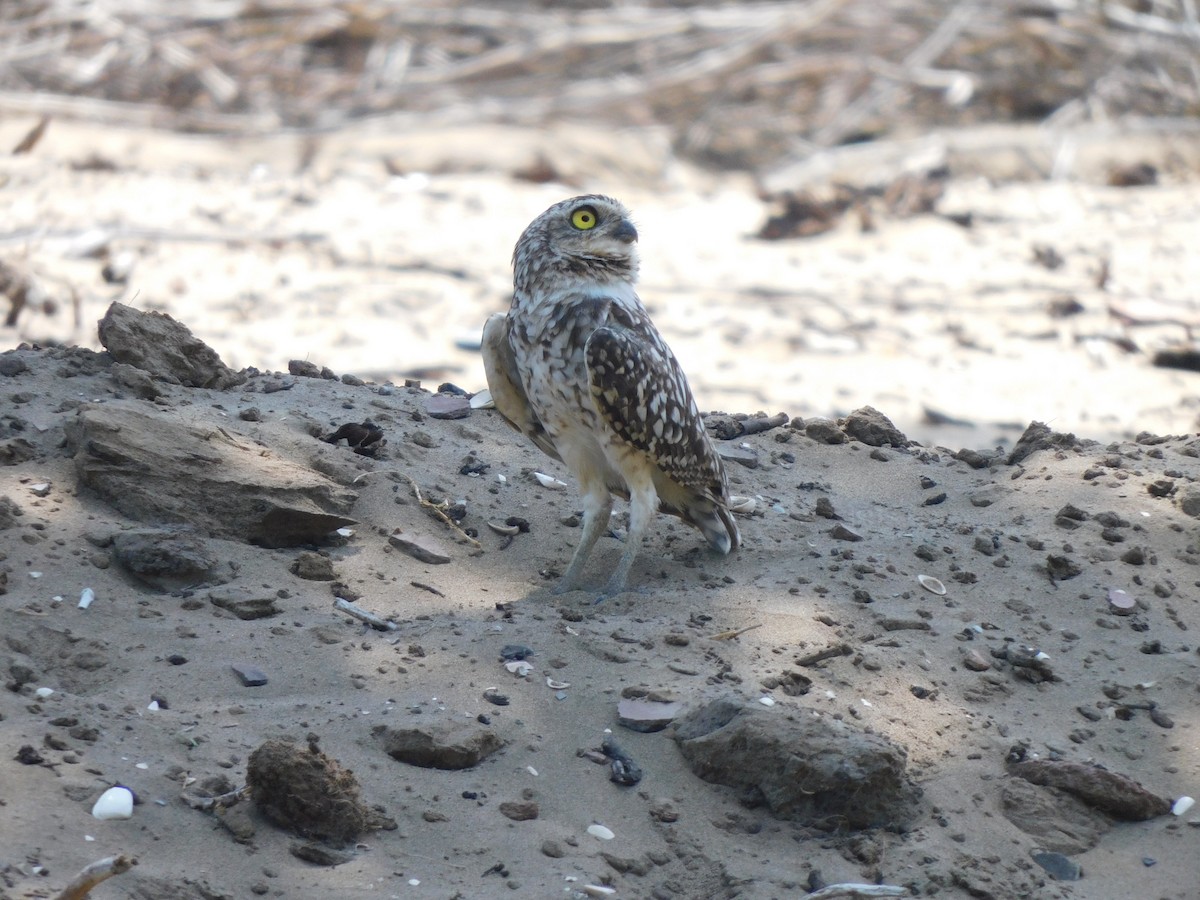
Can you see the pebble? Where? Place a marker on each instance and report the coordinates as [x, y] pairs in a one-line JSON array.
[[251, 676], [975, 662], [421, 547], [448, 406], [115, 803], [1120, 603], [519, 810], [1061, 867], [1182, 805], [600, 832]]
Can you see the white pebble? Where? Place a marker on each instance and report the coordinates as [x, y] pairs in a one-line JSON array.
[[598, 890], [767, 701], [532, 771], [483, 400], [345, 532], [414, 881], [115, 803], [141, 765], [599, 831], [86, 596], [1182, 805], [153, 706], [43, 692]]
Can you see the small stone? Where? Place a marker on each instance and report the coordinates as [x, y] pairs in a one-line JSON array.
[[824, 509], [1120, 603], [244, 603], [313, 567], [251, 676], [553, 849], [663, 810], [824, 431], [873, 428], [519, 810], [421, 547], [1188, 499], [975, 662], [646, 715], [1061, 867], [842, 533], [448, 406], [739, 454]]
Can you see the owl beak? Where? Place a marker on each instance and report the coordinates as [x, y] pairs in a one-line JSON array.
[[625, 232]]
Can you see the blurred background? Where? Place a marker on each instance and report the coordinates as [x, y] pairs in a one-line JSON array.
[[966, 214]]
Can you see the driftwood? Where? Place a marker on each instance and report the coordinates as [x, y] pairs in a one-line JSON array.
[[101, 870], [744, 84]]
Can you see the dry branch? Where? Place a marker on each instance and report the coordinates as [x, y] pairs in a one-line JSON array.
[[101, 870]]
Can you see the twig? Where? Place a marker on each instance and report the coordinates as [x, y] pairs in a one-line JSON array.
[[857, 890], [438, 510], [93, 874], [821, 655], [376, 622], [730, 635]]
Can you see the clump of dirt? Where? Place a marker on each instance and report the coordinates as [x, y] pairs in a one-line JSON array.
[[305, 791]]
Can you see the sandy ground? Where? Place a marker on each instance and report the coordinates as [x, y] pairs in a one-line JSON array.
[[380, 275]]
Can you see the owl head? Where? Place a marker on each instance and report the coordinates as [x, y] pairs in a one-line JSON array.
[[588, 237]]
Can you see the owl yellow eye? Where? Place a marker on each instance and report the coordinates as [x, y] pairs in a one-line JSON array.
[[584, 218]]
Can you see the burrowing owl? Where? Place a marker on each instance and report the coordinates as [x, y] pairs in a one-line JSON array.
[[578, 367]]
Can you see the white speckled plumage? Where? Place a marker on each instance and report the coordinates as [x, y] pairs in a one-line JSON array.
[[578, 367]]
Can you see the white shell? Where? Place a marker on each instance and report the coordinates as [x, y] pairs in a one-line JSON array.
[[532, 771], [1182, 805], [767, 701], [501, 528], [743, 505], [86, 596], [483, 400], [519, 667], [549, 481], [43, 692], [115, 803], [599, 831], [932, 585], [598, 890], [557, 685], [345, 532]]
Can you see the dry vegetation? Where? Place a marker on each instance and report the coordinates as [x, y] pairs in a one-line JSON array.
[[736, 84]]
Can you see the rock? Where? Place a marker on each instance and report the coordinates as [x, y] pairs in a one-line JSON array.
[[553, 849], [804, 768], [167, 559], [744, 456], [444, 744], [421, 547], [1038, 436], [1059, 821], [448, 406], [313, 567], [164, 348], [640, 714], [246, 603], [975, 662], [154, 465], [250, 675], [664, 810], [824, 431], [1059, 866], [305, 791], [519, 810], [1188, 499], [873, 428], [1118, 795], [136, 381]]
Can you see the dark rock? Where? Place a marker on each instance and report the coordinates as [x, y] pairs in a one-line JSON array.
[[803, 767], [977, 459], [1059, 821], [155, 465], [448, 406], [441, 744], [164, 348], [1061, 867], [168, 559], [313, 567], [519, 810], [246, 603], [1039, 436], [824, 431], [1110, 792], [137, 382], [250, 675], [310, 793], [11, 364], [744, 456], [645, 715], [873, 428]]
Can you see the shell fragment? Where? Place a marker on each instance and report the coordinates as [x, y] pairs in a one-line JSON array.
[[549, 481], [599, 831], [932, 585]]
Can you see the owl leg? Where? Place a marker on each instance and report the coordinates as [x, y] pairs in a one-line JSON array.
[[643, 504], [597, 508]]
